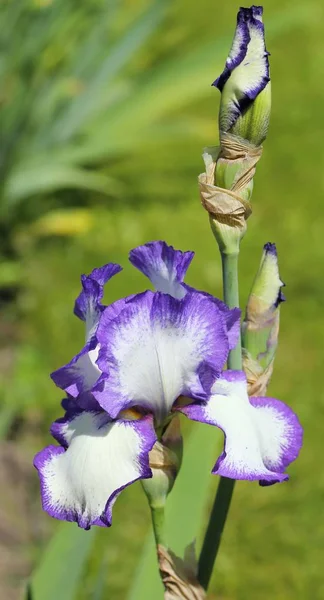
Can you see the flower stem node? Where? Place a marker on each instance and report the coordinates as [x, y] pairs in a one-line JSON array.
[[226, 189]]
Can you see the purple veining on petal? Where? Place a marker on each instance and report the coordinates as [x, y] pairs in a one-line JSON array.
[[163, 265], [155, 333], [232, 316]]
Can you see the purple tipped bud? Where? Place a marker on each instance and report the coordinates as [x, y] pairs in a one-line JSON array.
[[245, 81], [260, 327]]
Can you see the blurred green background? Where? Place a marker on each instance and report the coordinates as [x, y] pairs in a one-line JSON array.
[[105, 108]]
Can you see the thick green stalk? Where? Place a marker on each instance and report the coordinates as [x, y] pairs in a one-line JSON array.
[[225, 488], [158, 520]]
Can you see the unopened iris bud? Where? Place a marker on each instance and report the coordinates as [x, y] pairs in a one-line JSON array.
[[165, 461], [226, 186], [245, 82], [260, 327]]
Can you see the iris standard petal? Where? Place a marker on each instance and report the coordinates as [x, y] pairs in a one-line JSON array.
[[166, 269], [163, 265], [82, 481], [262, 435], [88, 304], [157, 349]]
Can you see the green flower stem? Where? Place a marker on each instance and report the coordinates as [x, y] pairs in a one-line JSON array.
[[225, 488], [158, 522], [231, 298]]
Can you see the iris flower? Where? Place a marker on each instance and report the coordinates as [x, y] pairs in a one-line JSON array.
[[147, 357]]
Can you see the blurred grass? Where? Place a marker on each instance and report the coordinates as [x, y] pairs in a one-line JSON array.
[[274, 538]]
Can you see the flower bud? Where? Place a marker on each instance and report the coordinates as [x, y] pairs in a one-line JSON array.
[[245, 82], [260, 327], [165, 462]]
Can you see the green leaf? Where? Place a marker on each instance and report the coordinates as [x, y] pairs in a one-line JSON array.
[[10, 273], [86, 104], [28, 593], [63, 563], [99, 587], [7, 415], [184, 510], [38, 178]]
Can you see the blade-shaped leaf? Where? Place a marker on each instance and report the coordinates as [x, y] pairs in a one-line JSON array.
[[28, 593], [184, 511], [62, 565], [85, 105], [40, 178]]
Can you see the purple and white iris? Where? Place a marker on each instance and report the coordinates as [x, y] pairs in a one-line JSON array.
[[142, 354], [246, 73]]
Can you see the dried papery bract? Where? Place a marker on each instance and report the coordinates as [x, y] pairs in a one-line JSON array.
[[226, 188], [179, 576]]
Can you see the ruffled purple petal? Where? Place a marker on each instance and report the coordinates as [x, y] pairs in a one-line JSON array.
[[232, 316], [262, 435], [163, 265], [157, 349], [88, 304], [80, 374], [233, 323], [78, 377], [81, 481]]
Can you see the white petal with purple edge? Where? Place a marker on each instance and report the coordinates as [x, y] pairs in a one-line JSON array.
[[81, 373], [82, 482], [262, 435], [163, 265], [158, 349]]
